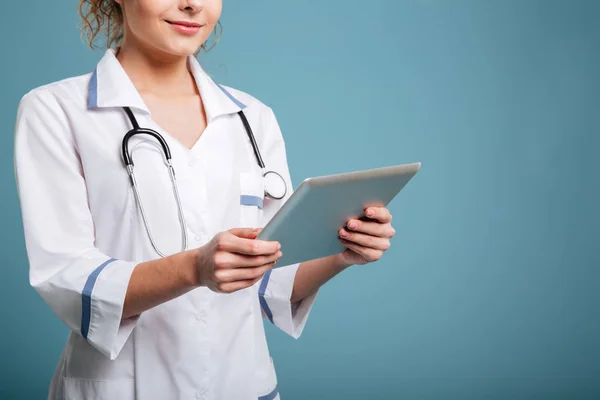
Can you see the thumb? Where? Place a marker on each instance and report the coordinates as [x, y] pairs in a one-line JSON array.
[[247, 233]]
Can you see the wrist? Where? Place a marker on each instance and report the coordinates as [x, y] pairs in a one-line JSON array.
[[341, 262], [192, 269]]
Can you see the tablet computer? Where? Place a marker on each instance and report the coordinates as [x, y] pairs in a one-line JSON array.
[[307, 224]]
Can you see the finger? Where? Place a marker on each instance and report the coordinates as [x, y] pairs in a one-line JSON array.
[[234, 260], [231, 287], [365, 240], [248, 233], [365, 252], [380, 214], [371, 228], [240, 274], [254, 247], [246, 261]]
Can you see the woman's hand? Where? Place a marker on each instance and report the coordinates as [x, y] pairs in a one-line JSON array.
[[366, 241], [235, 259]]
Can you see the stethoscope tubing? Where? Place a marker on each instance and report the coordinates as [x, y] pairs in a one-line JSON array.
[[128, 161]]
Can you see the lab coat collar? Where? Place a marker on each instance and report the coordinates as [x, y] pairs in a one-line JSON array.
[[110, 86], [217, 100]]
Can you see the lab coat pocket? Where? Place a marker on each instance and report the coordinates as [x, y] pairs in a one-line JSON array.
[[251, 199], [77, 389]]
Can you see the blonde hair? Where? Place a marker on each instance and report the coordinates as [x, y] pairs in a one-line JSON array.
[[106, 15]]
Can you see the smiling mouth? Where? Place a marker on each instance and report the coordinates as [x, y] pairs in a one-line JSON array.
[[186, 24], [187, 28]]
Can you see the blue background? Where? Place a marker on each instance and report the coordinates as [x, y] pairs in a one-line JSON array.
[[492, 286]]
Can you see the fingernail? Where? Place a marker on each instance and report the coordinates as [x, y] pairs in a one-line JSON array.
[[352, 225], [278, 246], [370, 212], [344, 233], [279, 254]]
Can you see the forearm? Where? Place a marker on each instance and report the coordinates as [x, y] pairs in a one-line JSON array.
[[158, 281], [311, 275]]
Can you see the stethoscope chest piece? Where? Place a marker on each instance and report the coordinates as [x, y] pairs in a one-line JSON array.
[[275, 187]]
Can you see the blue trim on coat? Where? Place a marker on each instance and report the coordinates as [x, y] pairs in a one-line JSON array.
[[236, 101], [271, 395], [93, 90], [86, 298], [261, 296], [247, 200]]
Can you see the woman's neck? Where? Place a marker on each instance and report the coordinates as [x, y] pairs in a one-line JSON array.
[[156, 72]]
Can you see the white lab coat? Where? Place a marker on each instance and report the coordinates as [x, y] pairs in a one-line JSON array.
[[84, 236]]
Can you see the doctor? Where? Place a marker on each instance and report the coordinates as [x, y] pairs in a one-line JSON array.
[[163, 287]]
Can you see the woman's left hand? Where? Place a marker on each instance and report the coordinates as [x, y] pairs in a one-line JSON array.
[[366, 241]]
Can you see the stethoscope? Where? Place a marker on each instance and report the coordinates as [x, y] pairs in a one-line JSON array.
[[274, 184]]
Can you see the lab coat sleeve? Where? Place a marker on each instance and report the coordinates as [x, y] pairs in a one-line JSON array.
[[84, 287], [276, 286]]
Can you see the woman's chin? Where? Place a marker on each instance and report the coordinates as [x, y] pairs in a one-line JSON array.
[[180, 48]]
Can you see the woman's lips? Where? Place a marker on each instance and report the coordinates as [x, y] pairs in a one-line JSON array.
[[185, 27]]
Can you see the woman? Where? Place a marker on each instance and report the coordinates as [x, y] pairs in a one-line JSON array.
[[187, 324]]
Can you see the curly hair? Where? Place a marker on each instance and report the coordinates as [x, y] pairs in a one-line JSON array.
[[106, 15]]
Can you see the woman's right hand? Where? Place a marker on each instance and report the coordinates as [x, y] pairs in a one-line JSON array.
[[235, 259]]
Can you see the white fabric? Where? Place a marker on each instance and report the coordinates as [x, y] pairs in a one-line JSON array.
[[79, 213]]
